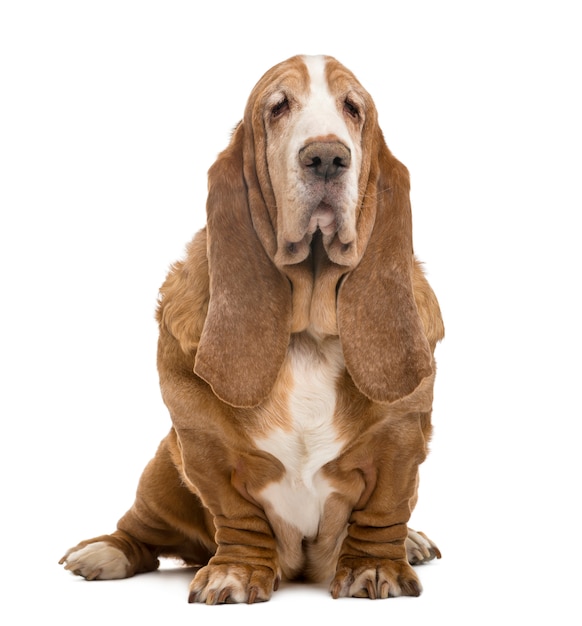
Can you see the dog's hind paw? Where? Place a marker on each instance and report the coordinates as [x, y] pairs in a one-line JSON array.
[[96, 561], [420, 549]]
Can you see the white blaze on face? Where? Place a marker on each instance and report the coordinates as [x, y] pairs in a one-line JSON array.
[[304, 201], [320, 117]]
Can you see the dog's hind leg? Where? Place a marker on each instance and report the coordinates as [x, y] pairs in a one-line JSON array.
[[419, 548], [166, 519]]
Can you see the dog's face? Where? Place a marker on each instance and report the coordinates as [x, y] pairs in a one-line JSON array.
[[313, 118], [314, 155]]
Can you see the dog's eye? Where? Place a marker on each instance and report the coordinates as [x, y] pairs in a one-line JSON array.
[[280, 108], [351, 109]]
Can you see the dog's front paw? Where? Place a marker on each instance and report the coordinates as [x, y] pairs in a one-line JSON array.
[[226, 584], [372, 578], [96, 561], [419, 548]]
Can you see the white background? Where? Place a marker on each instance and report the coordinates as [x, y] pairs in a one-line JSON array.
[[111, 114]]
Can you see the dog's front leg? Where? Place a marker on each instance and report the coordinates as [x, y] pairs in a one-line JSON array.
[[373, 561], [245, 566]]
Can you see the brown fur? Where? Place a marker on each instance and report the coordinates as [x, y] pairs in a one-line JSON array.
[[227, 316]]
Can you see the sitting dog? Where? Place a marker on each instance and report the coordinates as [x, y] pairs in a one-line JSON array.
[[295, 357]]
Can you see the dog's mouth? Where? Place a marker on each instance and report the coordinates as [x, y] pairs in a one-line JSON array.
[[327, 223], [324, 219]]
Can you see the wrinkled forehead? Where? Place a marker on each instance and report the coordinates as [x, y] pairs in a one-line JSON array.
[[292, 74], [301, 76]]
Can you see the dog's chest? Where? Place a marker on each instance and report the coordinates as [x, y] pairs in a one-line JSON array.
[[306, 439]]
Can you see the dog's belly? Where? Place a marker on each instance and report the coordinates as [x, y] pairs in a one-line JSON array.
[[299, 497], [304, 443]]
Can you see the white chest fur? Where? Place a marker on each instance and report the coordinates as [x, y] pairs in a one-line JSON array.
[[308, 439]]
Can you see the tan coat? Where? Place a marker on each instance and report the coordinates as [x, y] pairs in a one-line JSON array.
[[258, 479]]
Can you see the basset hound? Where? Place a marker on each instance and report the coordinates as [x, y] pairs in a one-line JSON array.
[[295, 357]]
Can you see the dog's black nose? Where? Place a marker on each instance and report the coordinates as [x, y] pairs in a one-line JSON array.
[[325, 159]]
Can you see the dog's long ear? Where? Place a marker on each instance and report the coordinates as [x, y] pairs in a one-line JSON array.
[[246, 332], [385, 348]]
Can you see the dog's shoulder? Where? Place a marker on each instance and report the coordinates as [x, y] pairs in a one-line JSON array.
[[428, 306], [184, 296]]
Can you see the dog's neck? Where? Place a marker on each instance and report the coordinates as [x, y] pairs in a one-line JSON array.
[[315, 282]]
